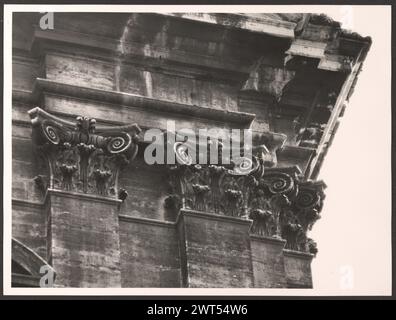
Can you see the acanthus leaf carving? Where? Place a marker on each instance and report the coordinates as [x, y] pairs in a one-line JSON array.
[[83, 157], [278, 200], [220, 189], [304, 211], [273, 194]]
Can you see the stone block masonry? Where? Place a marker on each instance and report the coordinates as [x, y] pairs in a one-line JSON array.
[[87, 206]]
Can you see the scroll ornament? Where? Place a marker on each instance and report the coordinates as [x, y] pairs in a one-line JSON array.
[[81, 156], [279, 201]]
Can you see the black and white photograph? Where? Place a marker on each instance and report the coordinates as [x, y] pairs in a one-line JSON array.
[[193, 150]]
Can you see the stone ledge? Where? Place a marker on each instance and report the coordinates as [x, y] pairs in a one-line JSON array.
[[22, 95], [132, 100], [298, 254], [27, 203], [164, 67], [280, 242], [21, 123], [296, 151], [83, 196], [24, 280], [278, 28], [166, 224], [212, 216], [105, 46]]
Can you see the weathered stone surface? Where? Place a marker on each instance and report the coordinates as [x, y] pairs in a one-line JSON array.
[[215, 251], [26, 70], [286, 76], [146, 186], [295, 156], [298, 269], [140, 114], [255, 23], [127, 78], [149, 253], [159, 37], [25, 168], [83, 239], [29, 225], [268, 262]]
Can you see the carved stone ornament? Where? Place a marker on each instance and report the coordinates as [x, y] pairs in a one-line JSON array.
[[278, 200], [81, 156]]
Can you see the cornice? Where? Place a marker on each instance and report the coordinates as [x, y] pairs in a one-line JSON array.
[[136, 101], [278, 28]]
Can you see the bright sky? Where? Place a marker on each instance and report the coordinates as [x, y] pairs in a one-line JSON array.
[[354, 234]]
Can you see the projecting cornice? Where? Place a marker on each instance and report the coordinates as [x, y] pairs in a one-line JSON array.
[[172, 60], [142, 102], [265, 25]]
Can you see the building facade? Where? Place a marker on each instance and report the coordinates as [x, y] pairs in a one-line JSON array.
[[86, 90]]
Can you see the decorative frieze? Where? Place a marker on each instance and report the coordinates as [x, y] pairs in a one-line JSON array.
[[82, 157]]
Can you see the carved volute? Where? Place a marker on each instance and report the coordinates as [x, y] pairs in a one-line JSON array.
[[278, 200], [81, 156]]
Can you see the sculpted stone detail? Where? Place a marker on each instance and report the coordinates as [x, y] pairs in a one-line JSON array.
[[122, 194], [301, 214], [41, 182], [271, 195], [221, 189], [66, 166], [324, 20], [278, 200], [83, 157]]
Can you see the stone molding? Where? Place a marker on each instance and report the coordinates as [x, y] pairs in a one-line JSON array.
[[212, 216], [165, 224], [298, 254], [137, 101]]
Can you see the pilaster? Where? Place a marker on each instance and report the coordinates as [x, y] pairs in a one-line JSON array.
[[215, 250], [82, 195]]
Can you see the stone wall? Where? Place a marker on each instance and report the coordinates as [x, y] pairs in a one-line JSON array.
[[286, 78]]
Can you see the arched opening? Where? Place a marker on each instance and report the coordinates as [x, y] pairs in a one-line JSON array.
[[27, 267]]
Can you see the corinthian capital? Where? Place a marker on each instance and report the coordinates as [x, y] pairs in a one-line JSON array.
[[82, 156]]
